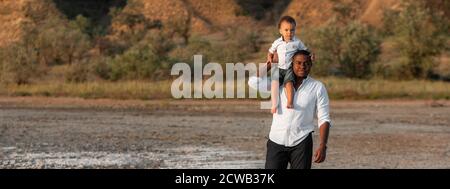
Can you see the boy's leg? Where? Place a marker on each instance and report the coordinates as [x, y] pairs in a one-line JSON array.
[[276, 73], [289, 86], [274, 89], [289, 94]]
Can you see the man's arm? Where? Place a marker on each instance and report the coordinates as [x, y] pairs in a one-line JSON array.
[[321, 152], [324, 122]]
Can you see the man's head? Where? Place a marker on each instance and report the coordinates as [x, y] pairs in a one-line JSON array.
[[301, 63], [287, 25]]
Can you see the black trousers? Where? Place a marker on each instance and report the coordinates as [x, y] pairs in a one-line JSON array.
[[299, 156]]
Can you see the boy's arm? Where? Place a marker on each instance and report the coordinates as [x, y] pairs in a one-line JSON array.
[[268, 64], [272, 51], [269, 57]]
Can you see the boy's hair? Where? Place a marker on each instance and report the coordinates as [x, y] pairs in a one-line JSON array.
[[288, 19]]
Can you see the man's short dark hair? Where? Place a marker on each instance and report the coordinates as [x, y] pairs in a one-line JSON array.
[[303, 52], [288, 19]]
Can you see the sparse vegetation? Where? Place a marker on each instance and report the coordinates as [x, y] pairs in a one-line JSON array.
[[19, 64], [345, 47], [119, 43], [338, 88], [418, 34]]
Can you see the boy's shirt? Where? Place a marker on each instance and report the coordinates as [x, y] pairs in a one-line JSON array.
[[286, 50]]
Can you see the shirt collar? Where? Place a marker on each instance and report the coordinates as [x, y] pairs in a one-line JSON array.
[[306, 79], [293, 39]]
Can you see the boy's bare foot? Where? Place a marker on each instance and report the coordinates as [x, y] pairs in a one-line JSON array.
[[273, 110]]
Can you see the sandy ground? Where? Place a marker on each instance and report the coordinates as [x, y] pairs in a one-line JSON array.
[[75, 133]]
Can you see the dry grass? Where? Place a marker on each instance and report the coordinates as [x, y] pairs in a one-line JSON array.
[[338, 88], [115, 90]]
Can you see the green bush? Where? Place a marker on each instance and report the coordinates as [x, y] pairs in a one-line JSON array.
[[78, 72], [325, 43], [102, 67], [196, 46], [240, 43], [18, 64], [344, 49], [395, 69], [57, 42], [136, 63], [419, 34], [134, 27], [360, 49], [236, 46], [147, 58], [56, 39]]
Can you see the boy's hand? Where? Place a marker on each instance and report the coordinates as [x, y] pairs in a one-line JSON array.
[[313, 57], [269, 58]]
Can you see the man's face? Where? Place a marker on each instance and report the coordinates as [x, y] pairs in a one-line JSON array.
[[301, 65], [287, 30]]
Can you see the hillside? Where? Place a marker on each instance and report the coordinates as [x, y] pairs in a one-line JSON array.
[[317, 12], [204, 16], [14, 14], [11, 16]]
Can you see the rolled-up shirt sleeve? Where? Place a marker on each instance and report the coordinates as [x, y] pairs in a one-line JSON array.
[[323, 106]]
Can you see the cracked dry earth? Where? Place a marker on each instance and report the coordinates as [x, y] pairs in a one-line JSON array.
[[38, 132]]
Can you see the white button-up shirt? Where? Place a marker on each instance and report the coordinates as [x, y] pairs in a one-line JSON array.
[[292, 126], [286, 50]]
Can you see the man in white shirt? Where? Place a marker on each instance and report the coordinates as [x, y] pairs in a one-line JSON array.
[[290, 138]]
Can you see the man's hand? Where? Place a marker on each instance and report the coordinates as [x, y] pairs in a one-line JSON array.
[[321, 154]]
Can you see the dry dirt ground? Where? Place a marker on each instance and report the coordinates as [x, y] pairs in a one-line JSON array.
[[40, 132]]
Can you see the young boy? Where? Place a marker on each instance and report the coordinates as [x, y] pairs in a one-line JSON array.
[[284, 48]]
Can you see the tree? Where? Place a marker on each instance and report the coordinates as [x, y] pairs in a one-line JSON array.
[[57, 41], [344, 46], [18, 64], [349, 49], [359, 49], [418, 36]]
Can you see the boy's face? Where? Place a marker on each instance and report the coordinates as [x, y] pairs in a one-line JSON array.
[[287, 30]]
